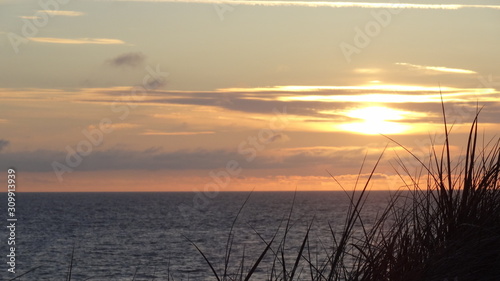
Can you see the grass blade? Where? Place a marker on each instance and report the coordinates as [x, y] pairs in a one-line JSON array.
[[204, 257]]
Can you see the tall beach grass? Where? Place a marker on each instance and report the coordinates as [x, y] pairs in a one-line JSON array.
[[443, 224]]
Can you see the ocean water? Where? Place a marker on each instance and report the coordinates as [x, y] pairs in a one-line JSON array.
[[145, 236]]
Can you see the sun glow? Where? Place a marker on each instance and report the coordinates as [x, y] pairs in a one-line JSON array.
[[376, 120]]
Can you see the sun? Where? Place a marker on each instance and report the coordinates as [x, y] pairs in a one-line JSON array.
[[375, 120]]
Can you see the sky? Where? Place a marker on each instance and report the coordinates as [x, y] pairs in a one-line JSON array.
[[210, 96]]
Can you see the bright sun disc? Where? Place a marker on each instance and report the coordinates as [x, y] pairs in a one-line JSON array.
[[376, 120]]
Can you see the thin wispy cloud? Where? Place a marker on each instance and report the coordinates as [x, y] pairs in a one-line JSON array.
[[115, 126], [396, 98], [29, 17], [158, 133], [53, 13], [303, 98], [97, 41], [119, 126], [437, 68], [62, 13], [368, 70], [382, 5], [300, 88], [154, 159]]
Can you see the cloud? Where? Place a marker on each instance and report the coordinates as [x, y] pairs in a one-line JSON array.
[[62, 13], [368, 70], [116, 126], [3, 143], [298, 161], [155, 83], [197, 159], [312, 104], [312, 108], [437, 68], [129, 59], [332, 4], [98, 41], [29, 17], [119, 126], [307, 98], [116, 159], [158, 133], [153, 149], [278, 138]]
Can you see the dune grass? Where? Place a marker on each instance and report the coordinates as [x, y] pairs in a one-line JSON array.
[[450, 227], [444, 224]]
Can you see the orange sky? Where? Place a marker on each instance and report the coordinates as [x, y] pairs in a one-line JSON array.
[[192, 95]]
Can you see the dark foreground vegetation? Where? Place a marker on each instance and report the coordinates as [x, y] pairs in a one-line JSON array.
[[444, 224]]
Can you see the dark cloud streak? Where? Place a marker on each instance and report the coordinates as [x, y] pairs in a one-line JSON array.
[[200, 159], [320, 111], [3, 144], [129, 59]]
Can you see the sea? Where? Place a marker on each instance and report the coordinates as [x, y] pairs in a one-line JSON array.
[[171, 236]]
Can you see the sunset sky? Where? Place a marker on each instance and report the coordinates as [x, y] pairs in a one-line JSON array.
[[181, 95]]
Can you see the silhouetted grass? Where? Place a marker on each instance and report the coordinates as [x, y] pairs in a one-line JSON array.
[[445, 226], [447, 229]]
